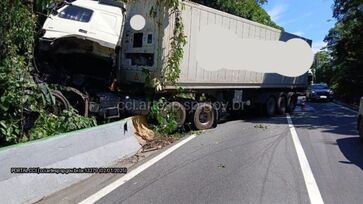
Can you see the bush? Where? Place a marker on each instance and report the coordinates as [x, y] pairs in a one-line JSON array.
[[165, 121], [19, 93]]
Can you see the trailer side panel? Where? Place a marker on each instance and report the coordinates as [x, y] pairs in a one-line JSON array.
[[192, 76]]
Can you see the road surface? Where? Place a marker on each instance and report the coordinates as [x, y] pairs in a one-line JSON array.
[[251, 161]]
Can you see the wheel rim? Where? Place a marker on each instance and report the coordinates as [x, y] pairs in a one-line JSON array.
[[205, 116]]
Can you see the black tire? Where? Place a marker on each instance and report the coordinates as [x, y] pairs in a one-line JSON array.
[[291, 105], [216, 120], [203, 116], [282, 105], [179, 112], [78, 101], [360, 128], [270, 106], [61, 102]]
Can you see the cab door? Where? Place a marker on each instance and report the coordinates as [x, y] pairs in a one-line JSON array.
[[106, 28]]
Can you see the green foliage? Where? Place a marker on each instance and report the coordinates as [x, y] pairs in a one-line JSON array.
[[179, 40], [171, 71], [67, 121], [39, 6], [249, 9], [322, 68], [18, 90], [165, 121], [345, 45], [260, 126], [39, 9]]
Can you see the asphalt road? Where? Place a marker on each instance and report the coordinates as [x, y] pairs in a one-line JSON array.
[[255, 161]]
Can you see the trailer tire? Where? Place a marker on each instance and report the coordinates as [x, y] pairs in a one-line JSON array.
[[216, 116], [282, 105], [78, 100], [203, 116], [180, 111], [270, 106], [291, 105]]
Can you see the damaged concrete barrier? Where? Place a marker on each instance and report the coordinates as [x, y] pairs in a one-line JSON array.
[[100, 146]]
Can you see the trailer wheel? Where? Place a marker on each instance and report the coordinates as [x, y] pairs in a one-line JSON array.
[[78, 100], [204, 116], [179, 112], [282, 105], [216, 116], [291, 105], [270, 106], [61, 102]]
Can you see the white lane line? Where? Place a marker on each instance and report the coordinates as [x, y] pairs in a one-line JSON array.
[[111, 187], [312, 187]]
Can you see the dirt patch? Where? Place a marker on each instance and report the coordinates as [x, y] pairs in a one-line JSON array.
[[148, 139]]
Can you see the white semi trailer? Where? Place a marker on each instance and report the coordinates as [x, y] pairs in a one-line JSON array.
[[122, 53]]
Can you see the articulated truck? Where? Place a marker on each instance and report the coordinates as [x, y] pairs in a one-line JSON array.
[[102, 53]]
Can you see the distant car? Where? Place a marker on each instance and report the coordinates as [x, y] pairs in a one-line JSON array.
[[319, 92], [360, 119]]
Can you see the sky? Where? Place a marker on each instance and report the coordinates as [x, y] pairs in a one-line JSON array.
[[311, 19]]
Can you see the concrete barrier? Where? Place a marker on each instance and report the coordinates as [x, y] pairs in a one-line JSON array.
[[101, 146]]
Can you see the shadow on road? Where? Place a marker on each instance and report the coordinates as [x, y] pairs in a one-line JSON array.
[[252, 117], [352, 149], [327, 118], [323, 117]]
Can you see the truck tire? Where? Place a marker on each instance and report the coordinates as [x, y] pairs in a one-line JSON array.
[[61, 102], [270, 106], [179, 111], [78, 100], [216, 118], [282, 105], [291, 105], [360, 128], [203, 116]]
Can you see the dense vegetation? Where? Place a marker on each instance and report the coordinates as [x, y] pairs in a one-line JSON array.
[[322, 68], [342, 66], [22, 100]]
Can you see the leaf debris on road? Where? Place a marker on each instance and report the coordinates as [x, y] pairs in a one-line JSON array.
[[260, 126]]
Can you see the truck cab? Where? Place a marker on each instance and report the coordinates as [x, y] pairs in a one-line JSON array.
[[360, 119], [79, 40], [88, 20]]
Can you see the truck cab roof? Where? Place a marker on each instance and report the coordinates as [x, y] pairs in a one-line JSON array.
[[108, 6]]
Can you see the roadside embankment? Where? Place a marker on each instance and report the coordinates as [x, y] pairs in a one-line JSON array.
[[100, 146]]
